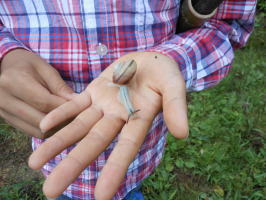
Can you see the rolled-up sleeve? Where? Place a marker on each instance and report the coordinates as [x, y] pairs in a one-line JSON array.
[[8, 41]]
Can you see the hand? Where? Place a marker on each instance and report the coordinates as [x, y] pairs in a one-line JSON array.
[[29, 88], [157, 85]]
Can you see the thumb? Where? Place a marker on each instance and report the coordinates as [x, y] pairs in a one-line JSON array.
[[55, 83], [175, 107]]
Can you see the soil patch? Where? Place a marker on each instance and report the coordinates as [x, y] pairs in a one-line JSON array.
[[15, 148]]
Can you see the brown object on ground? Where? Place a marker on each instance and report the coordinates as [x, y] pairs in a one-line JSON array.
[[206, 7], [190, 18]]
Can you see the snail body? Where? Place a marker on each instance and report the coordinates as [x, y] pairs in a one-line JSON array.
[[123, 73]]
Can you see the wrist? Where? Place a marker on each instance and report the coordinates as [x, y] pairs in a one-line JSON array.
[[15, 56], [18, 58]]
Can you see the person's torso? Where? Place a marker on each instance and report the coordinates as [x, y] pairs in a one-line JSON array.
[[68, 33]]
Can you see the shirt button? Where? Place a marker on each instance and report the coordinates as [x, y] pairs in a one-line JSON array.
[[101, 49]]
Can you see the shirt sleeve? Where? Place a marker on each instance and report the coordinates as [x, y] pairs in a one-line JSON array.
[[205, 54], [8, 41]]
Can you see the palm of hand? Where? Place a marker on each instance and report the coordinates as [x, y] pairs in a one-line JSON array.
[[101, 116]]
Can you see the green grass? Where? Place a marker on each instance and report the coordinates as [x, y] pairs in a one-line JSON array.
[[25, 190], [224, 156], [17, 181]]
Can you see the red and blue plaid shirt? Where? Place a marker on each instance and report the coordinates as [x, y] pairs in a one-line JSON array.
[[67, 33]]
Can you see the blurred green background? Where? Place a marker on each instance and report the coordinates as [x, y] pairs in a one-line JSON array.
[[223, 158]]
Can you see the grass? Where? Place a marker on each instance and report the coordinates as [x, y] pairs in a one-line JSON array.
[[17, 181], [223, 158]]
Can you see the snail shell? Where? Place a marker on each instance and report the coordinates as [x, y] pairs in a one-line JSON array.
[[124, 72]]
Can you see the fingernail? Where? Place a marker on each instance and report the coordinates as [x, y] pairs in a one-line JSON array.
[[42, 127]]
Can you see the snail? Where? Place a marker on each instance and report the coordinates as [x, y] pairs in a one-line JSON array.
[[123, 73]]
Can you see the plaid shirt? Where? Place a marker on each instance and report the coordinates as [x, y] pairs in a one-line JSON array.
[[67, 34]]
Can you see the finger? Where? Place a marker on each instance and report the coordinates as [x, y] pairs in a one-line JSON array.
[[21, 125], [175, 108], [66, 111], [113, 173], [20, 109], [82, 155], [67, 136], [34, 93], [54, 81]]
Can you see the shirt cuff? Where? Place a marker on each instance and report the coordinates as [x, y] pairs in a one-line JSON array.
[[8, 44]]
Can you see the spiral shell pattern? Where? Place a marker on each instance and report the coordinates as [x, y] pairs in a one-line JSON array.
[[124, 72]]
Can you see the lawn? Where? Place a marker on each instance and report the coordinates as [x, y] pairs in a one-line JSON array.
[[223, 158]]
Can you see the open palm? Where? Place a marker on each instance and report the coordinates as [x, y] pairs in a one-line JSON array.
[[157, 86]]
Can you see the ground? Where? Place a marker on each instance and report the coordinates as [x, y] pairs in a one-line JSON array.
[[17, 180]]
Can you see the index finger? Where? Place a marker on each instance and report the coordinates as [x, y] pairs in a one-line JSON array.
[[66, 111], [129, 143]]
